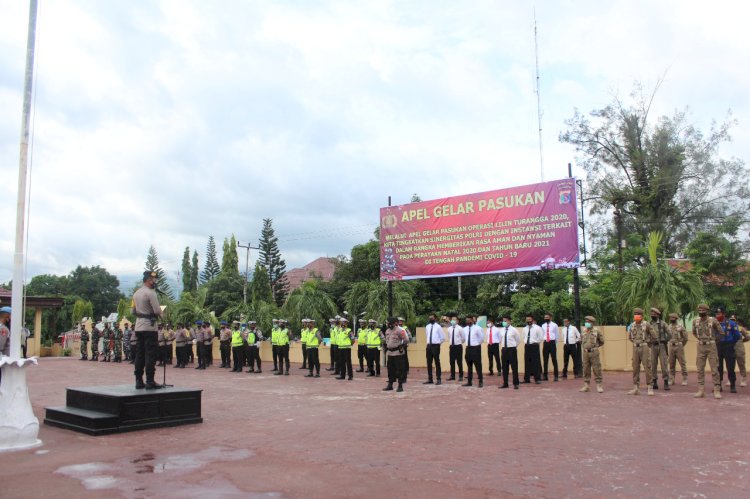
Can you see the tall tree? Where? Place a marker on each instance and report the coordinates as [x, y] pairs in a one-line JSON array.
[[309, 301], [81, 309], [194, 273], [229, 258], [661, 174], [211, 268], [259, 288], [96, 285], [186, 274], [152, 264], [270, 258]]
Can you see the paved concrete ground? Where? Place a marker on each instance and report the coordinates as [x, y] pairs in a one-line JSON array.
[[289, 436]]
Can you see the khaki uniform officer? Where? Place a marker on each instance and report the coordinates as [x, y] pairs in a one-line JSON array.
[[642, 336], [591, 340], [705, 330], [677, 344], [659, 349], [739, 352]]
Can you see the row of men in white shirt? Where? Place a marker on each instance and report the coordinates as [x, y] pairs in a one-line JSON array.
[[496, 334]]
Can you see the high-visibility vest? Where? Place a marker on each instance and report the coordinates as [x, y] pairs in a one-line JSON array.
[[251, 337], [303, 335], [362, 335], [334, 335], [275, 336], [236, 338], [344, 340], [312, 338], [373, 339], [283, 337]]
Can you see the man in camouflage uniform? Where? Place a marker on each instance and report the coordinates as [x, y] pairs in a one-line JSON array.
[[659, 349], [641, 335], [106, 343], [117, 335], [126, 342], [705, 330], [739, 351], [84, 343], [591, 340], [678, 340], [95, 335]]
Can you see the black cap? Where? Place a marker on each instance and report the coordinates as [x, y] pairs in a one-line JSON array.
[[720, 310]]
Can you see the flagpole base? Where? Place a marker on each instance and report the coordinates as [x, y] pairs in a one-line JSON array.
[[19, 428]]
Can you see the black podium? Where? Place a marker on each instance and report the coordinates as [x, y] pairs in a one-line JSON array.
[[100, 410]]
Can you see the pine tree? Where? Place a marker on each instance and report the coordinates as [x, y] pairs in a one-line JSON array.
[[259, 289], [229, 258], [186, 269], [152, 264], [270, 258], [194, 273], [211, 269]]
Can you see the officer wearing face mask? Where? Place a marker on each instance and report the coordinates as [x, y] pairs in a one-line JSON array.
[[725, 347], [591, 340], [641, 335], [474, 340], [434, 337], [706, 330], [456, 341], [532, 336], [678, 340], [509, 340], [659, 349]]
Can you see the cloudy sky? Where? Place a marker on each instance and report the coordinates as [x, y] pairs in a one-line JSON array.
[[161, 122]]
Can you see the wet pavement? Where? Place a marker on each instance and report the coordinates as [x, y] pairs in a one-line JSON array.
[[266, 436]]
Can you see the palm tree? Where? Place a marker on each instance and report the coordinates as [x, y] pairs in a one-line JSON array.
[[309, 301], [191, 308], [372, 298], [659, 285], [260, 311]]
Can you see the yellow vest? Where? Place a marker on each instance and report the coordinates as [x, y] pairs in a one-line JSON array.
[[344, 341], [373, 339], [283, 337], [275, 336], [362, 335], [251, 337], [312, 339], [303, 335], [236, 339], [334, 335]]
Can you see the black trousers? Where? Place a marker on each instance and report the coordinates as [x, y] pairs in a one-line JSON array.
[[396, 368], [208, 352], [145, 354], [253, 356], [224, 348], [334, 357], [570, 352], [345, 362], [493, 351], [238, 354], [531, 363], [361, 355], [406, 361], [313, 360], [275, 356], [549, 349], [455, 356], [433, 354], [473, 360], [509, 356], [182, 356], [200, 351], [373, 361], [579, 358], [726, 355], [283, 356], [304, 356]]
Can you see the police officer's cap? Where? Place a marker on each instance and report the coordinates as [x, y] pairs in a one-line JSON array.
[[590, 318], [199, 323], [6, 310], [656, 311], [331, 320], [148, 274], [253, 322], [703, 306], [673, 316], [372, 321], [275, 320], [362, 321], [223, 323], [244, 324], [638, 311], [344, 319], [400, 318], [720, 310]]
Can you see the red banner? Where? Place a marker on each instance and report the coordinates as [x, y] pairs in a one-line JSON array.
[[531, 227]]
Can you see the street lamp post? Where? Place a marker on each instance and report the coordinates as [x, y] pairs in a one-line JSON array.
[[247, 268]]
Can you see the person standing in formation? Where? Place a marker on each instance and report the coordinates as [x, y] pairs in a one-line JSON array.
[[345, 339], [225, 344], [199, 350], [314, 339], [84, 343], [739, 351], [374, 340], [474, 340], [254, 337], [95, 335], [706, 331], [591, 340], [275, 346], [678, 338], [532, 337], [549, 346], [362, 334], [493, 346], [395, 340], [641, 335], [509, 339], [180, 341], [456, 348], [332, 333], [161, 356], [434, 336], [303, 342], [238, 348], [402, 325], [659, 349], [570, 336], [283, 335], [208, 338], [725, 345], [126, 336]]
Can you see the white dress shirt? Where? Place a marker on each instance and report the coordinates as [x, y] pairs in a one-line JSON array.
[[437, 333], [532, 334], [456, 335], [493, 335], [509, 337], [570, 334], [474, 335], [551, 329]]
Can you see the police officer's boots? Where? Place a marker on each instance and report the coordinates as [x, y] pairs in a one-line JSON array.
[[742, 382], [400, 387], [666, 385], [650, 390], [717, 394], [684, 381], [389, 387], [655, 386], [599, 388], [586, 387], [635, 391], [732, 388], [700, 393]]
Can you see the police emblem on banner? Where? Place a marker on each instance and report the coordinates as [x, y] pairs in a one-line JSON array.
[[389, 221], [565, 192]]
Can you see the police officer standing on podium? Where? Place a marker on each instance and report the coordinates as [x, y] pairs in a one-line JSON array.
[[145, 306]]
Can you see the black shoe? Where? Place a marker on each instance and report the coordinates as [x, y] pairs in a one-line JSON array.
[[564, 376], [515, 387], [250, 371], [666, 386], [439, 382], [732, 389], [286, 373], [537, 382], [400, 388], [278, 373], [428, 382], [309, 375], [492, 373], [340, 377], [467, 384], [388, 388], [504, 386], [655, 386], [370, 374], [526, 382], [460, 377], [481, 384], [139, 384], [556, 379], [329, 369], [153, 386], [317, 375], [452, 378], [350, 378], [544, 378], [360, 370]]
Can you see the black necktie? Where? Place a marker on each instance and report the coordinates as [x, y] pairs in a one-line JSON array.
[[528, 336], [469, 336], [567, 334], [506, 337], [453, 335], [431, 326]]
